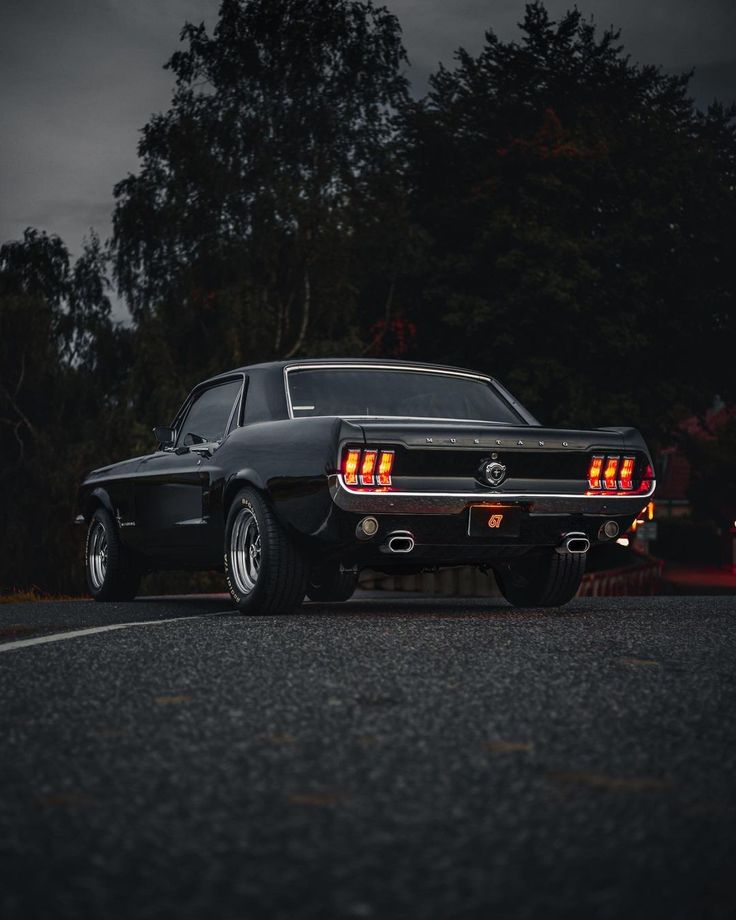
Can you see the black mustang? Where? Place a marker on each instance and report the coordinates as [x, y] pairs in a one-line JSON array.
[[294, 476]]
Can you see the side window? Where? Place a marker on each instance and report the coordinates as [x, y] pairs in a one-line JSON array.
[[239, 407], [208, 415]]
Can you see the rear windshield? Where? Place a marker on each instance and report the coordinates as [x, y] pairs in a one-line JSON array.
[[404, 394]]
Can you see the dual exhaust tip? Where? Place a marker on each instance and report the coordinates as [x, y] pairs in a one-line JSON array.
[[574, 544], [402, 541]]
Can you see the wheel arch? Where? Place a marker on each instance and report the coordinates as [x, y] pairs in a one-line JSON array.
[[241, 480], [97, 498]]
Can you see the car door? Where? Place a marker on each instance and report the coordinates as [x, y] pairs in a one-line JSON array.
[[172, 485]]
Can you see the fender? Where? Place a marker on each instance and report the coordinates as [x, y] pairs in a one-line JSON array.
[[89, 502]]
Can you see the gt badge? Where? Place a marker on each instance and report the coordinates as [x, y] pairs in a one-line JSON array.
[[494, 473]]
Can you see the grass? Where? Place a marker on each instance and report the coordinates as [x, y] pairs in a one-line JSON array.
[[33, 595]]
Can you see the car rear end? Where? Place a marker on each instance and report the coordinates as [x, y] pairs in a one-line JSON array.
[[414, 492], [460, 493]]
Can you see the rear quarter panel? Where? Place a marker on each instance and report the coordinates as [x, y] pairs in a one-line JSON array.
[[290, 460]]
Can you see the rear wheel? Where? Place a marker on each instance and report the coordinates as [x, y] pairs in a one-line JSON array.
[[265, 571], [331, 583], [112, 574], [541, 581]]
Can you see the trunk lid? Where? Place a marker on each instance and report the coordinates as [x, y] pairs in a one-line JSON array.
[[453, 456]]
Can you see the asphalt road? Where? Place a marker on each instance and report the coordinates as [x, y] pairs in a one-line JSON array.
[[386, 758]]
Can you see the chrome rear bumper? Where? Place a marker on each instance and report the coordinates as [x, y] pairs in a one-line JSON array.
[[365, 502]]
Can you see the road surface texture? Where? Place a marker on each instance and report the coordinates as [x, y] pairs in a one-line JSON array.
[[387, 758]]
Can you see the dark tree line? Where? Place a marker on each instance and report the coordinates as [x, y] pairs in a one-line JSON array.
[[550, 212]]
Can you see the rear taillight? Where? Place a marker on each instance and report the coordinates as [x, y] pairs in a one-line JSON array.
[[385, 466], [594, 472], [613, 473], [350, 465], [367, 467], [626, 477], [646, 483], [609, 473]]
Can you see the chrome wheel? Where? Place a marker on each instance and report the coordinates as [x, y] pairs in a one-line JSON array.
[[97, 555], [245, 550]]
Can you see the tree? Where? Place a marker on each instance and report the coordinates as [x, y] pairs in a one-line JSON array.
[[579, 213], [264, 182], [62, 403]]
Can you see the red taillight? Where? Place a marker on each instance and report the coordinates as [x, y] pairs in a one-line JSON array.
[[350, 467], [626, 475], [646, 483], [367, 467], [609, 474], [618, 474], [385, 465], [594, 472]]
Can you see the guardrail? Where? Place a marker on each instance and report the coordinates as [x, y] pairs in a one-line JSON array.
[[641, 579]]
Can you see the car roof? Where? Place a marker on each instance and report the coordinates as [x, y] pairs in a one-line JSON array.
[[267, 366]]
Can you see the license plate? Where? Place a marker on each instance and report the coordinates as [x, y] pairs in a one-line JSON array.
[[494, 521]]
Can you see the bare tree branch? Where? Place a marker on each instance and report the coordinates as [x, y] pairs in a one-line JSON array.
[[279, 321], [18, 411], [19, 384], [305, 317], [19, 439]]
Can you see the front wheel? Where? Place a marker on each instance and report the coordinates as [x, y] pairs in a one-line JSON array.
[[550, 580], [265, 571], [112, 574]]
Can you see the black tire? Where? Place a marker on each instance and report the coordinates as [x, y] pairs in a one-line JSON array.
[[111, 570], [271, 578], [542, 581], [331, 583]]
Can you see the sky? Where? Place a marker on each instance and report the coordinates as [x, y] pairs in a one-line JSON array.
[[80, 78]]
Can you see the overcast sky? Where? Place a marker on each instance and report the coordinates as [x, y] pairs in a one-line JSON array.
[[79, 78]]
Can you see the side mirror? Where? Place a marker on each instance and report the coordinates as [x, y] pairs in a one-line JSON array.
[[164, 436]]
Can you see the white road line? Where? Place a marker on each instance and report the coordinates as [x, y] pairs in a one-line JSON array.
[[75, 633]]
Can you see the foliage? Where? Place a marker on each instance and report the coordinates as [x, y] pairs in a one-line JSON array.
[[579, 213], [712, 490], [60, 365], [551, 212], [260, 185]]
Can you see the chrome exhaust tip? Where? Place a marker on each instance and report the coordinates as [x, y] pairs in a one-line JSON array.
[[574, 543], [400, 541], [366, 528], [608, 531]]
